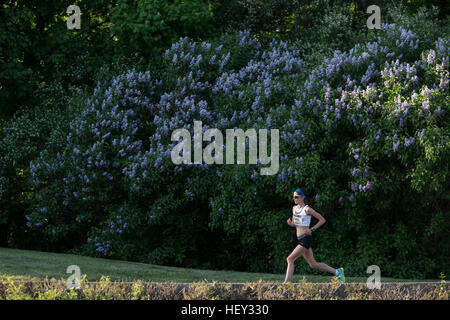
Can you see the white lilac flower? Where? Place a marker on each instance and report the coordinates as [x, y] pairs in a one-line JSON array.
[[431, 57]]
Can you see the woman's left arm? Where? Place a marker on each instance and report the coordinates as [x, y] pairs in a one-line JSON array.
[[316, 215]]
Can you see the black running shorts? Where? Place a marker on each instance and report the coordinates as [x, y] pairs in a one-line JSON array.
[[305, 240]]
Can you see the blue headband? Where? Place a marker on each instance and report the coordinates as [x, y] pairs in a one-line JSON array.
[[300, 192]]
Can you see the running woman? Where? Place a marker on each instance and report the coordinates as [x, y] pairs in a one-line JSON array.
[[301, 218]]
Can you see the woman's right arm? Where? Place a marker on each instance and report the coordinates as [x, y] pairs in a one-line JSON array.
[[289, 222]]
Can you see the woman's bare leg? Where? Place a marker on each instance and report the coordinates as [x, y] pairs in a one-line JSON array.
[[309, 257], [297, 252]]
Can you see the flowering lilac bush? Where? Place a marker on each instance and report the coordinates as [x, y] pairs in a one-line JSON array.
[[117, 152], [364, 138], [366, 132]]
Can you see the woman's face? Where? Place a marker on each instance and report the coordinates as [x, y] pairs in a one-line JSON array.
[[297, 198]]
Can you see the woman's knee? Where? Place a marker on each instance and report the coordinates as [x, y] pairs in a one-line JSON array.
[[290, 259], [314, 265]]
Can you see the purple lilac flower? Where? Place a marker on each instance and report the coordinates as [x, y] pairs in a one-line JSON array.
[[409, 141], [282, 174], [378, 135], [299, 160], [366, 173]]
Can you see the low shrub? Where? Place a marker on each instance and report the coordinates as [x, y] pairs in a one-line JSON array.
[[139, 290]]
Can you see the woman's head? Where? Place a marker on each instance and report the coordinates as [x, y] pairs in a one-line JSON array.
[[299, 196]]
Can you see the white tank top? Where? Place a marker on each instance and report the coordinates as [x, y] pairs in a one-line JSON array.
[[301, 218]]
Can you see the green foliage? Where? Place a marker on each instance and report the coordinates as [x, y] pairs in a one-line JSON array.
[[147, 27], [273, 18], [204, 290], [15, 291], [37, 48], [22, 139], [55, 294], [415, 5]]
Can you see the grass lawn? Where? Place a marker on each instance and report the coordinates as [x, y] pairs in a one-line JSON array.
[[27, 265]]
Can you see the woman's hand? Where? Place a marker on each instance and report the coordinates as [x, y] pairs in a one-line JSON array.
[[289, 222]]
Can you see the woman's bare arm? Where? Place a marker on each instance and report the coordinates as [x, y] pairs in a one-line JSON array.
[[316, 215], [289, 222]]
